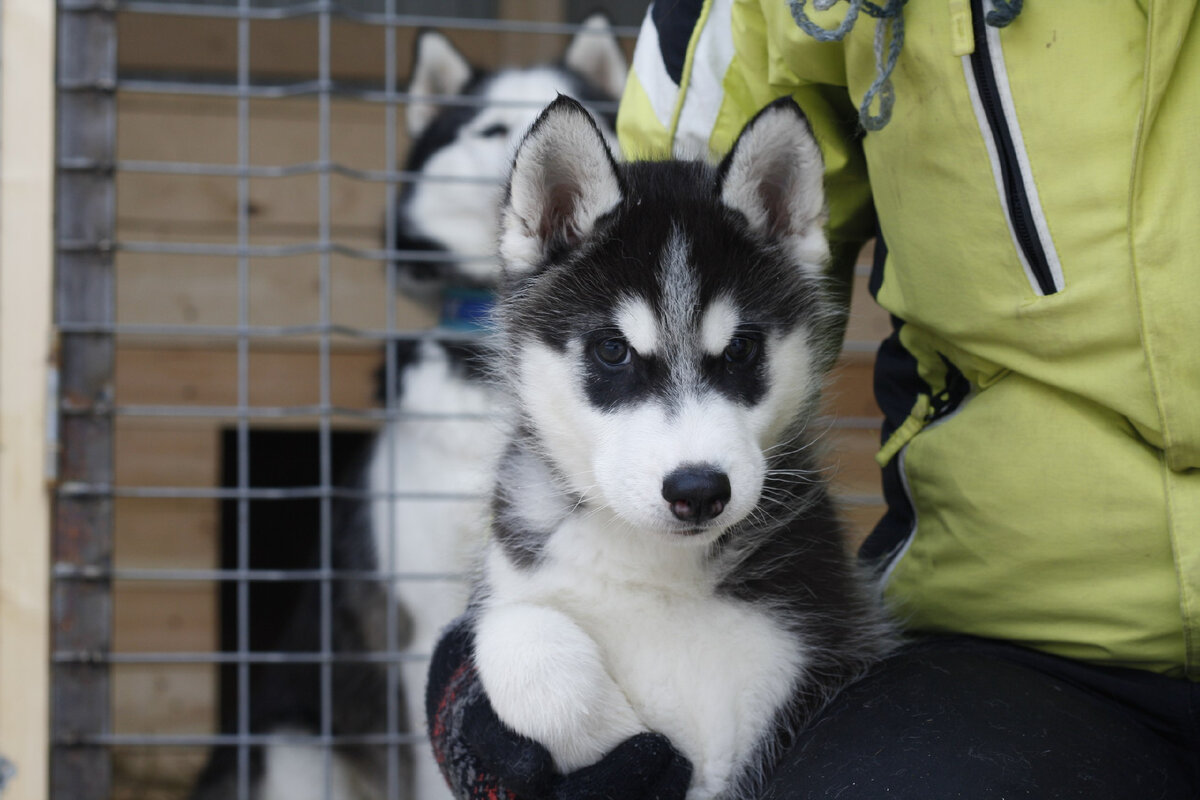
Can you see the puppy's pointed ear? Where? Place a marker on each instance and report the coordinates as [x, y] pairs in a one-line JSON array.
[[595, 54], [439, 69], [564, 178], [774, 176]]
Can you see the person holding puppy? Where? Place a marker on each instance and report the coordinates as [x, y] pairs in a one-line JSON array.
[[1032, 174]]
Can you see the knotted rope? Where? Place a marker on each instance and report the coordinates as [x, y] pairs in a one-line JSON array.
[[889, 36], [1004, 12]]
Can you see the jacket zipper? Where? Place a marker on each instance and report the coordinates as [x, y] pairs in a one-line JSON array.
[[1045, 276]]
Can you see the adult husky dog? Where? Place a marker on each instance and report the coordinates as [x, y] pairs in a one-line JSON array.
[[472, 145], [664, 554], [442, 443]]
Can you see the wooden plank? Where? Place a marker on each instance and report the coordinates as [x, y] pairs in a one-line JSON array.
[[155, 773], [155, 533], [166, 452], [288, 48], [165, 375], [180, 289], [161, 616], [164, 699], [27, 36], [203, 130], [165, 617], [185, 290]]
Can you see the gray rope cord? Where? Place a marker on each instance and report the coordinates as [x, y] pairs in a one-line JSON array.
[[889, 36], [1003, 12], [890, 21]]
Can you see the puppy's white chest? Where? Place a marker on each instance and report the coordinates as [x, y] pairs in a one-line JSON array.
[[707, 671]]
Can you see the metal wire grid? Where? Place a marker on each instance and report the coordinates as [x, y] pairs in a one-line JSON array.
[[86, 244]]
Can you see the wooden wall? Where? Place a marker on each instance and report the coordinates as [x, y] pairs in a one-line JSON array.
[[202, 290]]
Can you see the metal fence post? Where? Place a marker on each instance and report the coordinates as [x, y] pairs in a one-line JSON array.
[[83, 524]]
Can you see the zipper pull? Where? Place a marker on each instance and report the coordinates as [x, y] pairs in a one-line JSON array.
[[962, 41], [918, 418]]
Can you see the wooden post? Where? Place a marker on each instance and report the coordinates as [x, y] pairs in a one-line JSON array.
[[26, 266]]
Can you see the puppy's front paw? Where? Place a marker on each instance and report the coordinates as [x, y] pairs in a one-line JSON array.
[[546, 680]]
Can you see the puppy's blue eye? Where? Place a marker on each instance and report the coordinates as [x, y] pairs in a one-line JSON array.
[[741, 350], [495, 130], [614, 352]]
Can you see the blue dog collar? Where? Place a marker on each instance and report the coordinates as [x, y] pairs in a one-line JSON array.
[[467, 309]]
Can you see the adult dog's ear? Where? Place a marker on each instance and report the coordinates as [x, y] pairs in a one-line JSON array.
[[595, 54], [563, 179], [774, 177], [439, 70]]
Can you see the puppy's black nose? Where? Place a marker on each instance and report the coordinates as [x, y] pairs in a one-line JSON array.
[[696, 493]]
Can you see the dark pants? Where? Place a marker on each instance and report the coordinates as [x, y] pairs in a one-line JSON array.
[[971, 718]]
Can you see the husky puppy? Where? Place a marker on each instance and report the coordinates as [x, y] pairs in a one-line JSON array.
[[665, 555]]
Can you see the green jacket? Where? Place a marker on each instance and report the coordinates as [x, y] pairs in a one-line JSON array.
[[1038, 190]]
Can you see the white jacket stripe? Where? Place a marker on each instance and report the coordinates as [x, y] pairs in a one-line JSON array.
[[705, 91], [1004, 91], [652, 74]]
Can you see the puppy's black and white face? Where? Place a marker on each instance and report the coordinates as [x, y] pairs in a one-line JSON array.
[[664, 323]]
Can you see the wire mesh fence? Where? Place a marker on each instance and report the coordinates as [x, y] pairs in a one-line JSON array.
[[228, 174], [155, 284]]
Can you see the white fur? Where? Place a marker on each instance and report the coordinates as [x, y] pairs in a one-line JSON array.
[[616, 633], [439, 71], [620, 458], [456, 455], [527, 649], [464, 214], [795, 381], [295, 771], [432, 536], [717, 326], [634, 451], [620, 625], [618, 628], [777, 159], [594, 52], [562, 182], [638, 324]]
